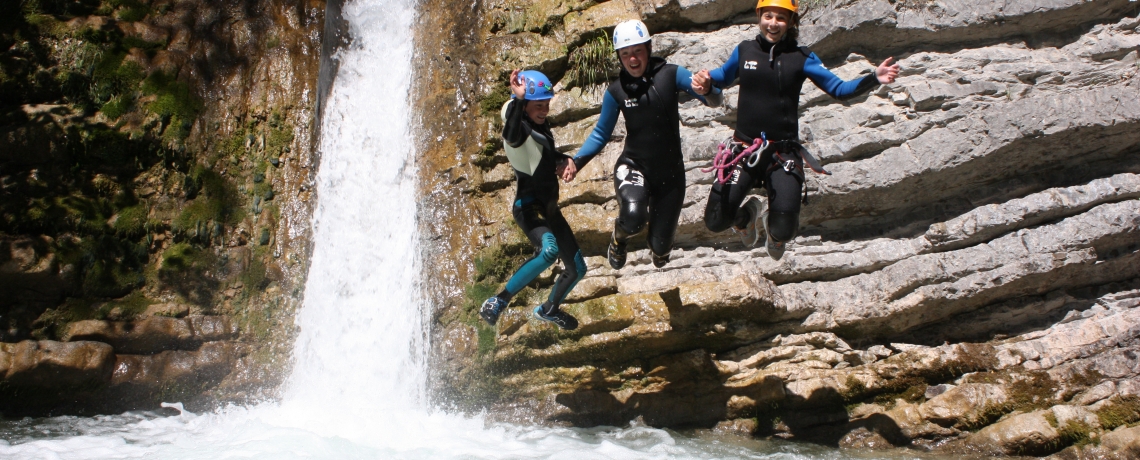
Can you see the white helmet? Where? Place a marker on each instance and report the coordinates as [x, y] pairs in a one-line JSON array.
[[629, 33]]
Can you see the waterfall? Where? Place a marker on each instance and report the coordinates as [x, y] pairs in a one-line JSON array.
[[360, 345]]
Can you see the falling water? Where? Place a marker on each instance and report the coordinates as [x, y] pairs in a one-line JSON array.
[[358, 384]]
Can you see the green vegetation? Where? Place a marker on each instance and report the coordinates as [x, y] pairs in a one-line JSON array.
[[128, 307], [913, 390], [174, 104], [51, 325], [1119, 411], [492, 103], [185, 270], [592, 63], [130, 10], [132, 221], [1075, 432], [218, 204]]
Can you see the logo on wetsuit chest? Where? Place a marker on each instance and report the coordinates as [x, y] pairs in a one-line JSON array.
[[631, 102], [749, 65]]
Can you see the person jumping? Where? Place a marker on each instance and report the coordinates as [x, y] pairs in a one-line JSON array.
[[772, 69], [529, 145]]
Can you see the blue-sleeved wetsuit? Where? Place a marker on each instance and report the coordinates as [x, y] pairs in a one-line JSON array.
[[649, 176], [770, 81], [531, 150]]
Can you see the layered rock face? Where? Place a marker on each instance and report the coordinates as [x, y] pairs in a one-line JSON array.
[[155, 175], [966, 279]]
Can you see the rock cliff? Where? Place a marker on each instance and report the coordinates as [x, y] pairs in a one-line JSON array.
[[156, 159], [966, 280]]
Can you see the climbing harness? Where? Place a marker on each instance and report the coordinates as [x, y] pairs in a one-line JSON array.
[[730, 153]]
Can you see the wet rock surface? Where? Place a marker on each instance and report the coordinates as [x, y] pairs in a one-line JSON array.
[[156, 160], [965, 281]]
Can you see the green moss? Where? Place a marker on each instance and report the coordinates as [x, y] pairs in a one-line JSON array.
[[1036, 390], [51, 325], [132, 221], [278, 141], [114, 77], [174, 103], [987, 416], [108, 278], [1119, 411], [117, 106], [182, 257], [218, 204], [913, 391], [1076, 432], [492, 103], [188, 271], [131, 305], [254, 279], [497, 263], [487, 337], [130, 10]]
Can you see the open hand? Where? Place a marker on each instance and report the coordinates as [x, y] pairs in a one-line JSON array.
[[518, 86], [887, 73], [702, 82]]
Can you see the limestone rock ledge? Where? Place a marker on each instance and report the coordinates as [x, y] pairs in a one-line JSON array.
[[109, 366], [966, 280]]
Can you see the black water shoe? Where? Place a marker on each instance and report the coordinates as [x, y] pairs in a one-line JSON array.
[[557, 316]]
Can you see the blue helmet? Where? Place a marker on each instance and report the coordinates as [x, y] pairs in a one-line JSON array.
[[538, 87]]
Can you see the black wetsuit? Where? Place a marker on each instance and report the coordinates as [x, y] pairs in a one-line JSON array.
[[536, 209], [770, 81], [649, 176]]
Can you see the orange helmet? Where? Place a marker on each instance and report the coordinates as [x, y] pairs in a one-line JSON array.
[[790, 5]]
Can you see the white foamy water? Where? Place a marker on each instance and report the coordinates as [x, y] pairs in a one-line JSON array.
[[358, 385]]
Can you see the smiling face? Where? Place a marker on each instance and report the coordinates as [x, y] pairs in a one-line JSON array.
[[537, 111], [634, 59], [774, 23]]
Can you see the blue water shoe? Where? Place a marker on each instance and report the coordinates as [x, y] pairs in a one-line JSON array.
[[491, 309]]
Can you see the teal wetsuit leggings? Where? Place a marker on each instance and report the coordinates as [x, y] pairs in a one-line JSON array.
[[553, 240]]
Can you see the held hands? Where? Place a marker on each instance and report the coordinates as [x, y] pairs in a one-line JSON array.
[[701, 82], [887, 73], [566, 169], [518, 87]]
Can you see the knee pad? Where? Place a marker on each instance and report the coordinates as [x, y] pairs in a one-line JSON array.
[[633, 216], [783, 225], [549, 251]]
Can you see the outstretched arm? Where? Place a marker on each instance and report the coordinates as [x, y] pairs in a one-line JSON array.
[[603, 130], [841, 89]]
